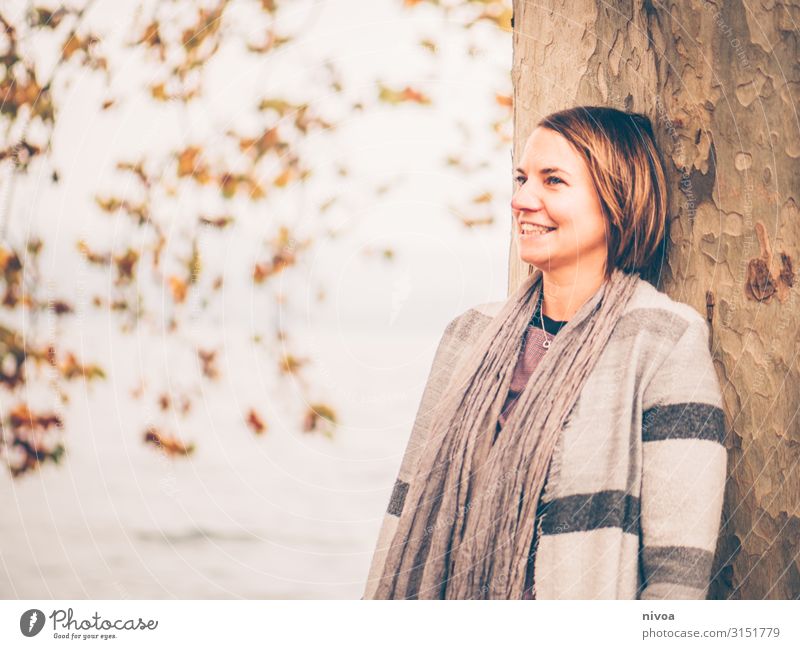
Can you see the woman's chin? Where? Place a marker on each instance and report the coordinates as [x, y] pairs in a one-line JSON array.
[[539, 258]]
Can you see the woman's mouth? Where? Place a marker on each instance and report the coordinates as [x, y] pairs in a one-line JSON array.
[[529, 231]]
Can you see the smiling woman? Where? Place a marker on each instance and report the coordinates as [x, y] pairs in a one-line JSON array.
[[600, 192], [577, 453]]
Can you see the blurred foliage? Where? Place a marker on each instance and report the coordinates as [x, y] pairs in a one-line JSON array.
[[267, 162]]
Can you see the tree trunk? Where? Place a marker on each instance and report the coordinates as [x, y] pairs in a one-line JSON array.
[[721, 84]]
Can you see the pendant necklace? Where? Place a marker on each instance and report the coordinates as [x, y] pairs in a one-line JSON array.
[[546, 341]]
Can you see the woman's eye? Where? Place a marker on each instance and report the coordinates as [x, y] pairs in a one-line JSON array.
[[520, 179], [556, 178]]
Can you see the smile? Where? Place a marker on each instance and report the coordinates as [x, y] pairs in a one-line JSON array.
[[526, 230]]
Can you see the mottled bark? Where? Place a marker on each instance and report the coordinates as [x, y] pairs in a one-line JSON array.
[[721, 83]]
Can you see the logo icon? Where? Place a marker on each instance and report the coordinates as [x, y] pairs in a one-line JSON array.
[[31, 622]]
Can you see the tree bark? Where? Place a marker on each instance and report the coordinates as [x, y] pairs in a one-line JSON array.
[[721, 84]]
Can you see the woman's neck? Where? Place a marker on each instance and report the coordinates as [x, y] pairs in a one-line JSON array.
[[566, 292]]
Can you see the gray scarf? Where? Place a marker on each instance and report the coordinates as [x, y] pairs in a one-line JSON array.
[[468, 520]]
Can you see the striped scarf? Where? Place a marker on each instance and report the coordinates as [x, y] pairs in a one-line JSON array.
[[469, 515]]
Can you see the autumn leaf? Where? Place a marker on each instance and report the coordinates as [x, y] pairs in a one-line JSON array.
[[231, 183], [70, 368], [186, 405], [167, 444], [429, 45], [267, 141], [20, 154], [504, 100], [165, 402], [304, 120], [280, 106], [126, 265], [76, 44], [195, 264], [326, 205], [285, 177], [255, 422], [227, 184], [113, 205], [11, 269], [13, 354], [319, 418], [40, 17], [284, 255], [220, 222], [271, 41], [208, 22], [93, 257], [290, 364], [21, 417], [191, 164], [501, 15], [108, 204], [34, 245], [407, 94], [59, 307], [29, 441], [137, 169], [158, 92], [152, 39], [255, 190], [187, 161], [16, 94], [158, 248], [178, 287], [470, 222], [208, 358]]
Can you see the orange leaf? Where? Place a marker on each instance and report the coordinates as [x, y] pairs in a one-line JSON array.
[[178, 287], [504, 100], [285, 177], [187, 161]]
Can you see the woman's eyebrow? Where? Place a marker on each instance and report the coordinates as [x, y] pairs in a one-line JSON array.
[[545, 170]]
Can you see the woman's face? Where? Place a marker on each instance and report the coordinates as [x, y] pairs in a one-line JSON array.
[[555, 189]]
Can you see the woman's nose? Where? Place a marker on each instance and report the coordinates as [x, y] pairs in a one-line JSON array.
[[525, 199]]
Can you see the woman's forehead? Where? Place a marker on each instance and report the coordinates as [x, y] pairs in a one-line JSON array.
[[545, 148]]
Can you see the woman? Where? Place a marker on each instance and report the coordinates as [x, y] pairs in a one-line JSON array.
[[569, 442]]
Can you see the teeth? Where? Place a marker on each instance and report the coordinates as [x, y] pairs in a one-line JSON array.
[[527, 228]]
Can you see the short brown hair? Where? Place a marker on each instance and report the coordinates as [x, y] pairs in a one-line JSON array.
[[620, 151]]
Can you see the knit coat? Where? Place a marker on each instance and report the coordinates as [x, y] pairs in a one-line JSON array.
[[632, 503]]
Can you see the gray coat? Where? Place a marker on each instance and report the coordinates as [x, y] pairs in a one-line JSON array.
[[632, 504]]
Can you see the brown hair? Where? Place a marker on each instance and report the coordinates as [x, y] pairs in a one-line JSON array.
[[620, 151]]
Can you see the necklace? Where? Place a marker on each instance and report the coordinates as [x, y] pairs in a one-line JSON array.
[[546, 341]]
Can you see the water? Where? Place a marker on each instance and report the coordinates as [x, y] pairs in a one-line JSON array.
[[286, 514]]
